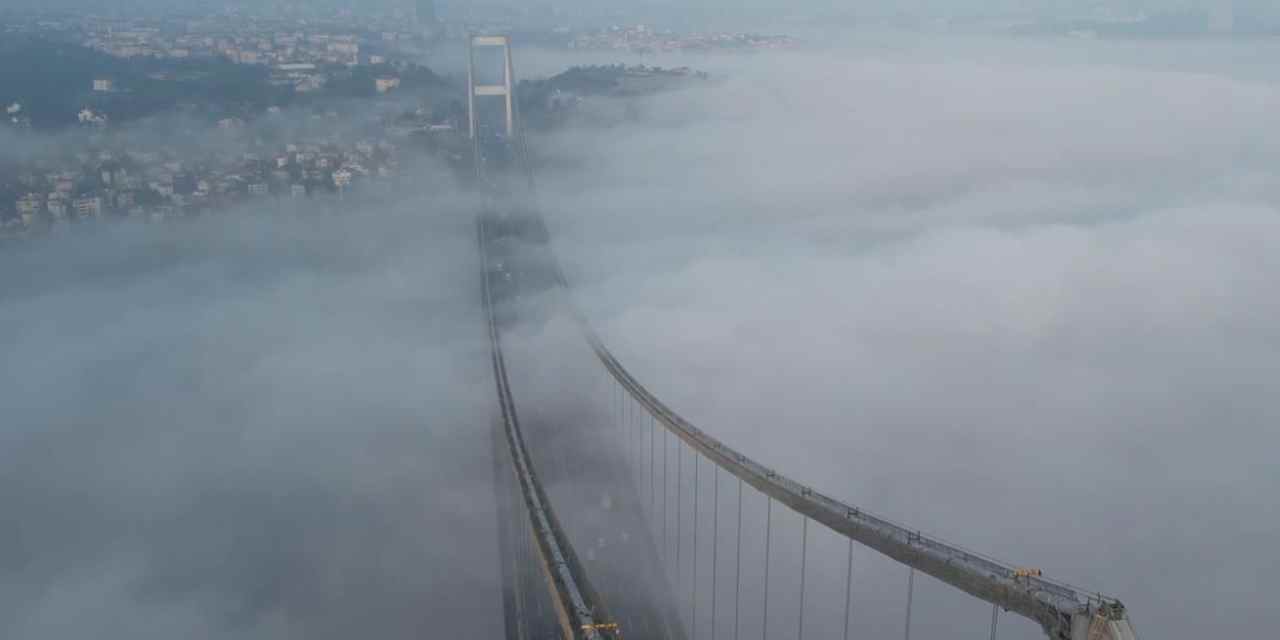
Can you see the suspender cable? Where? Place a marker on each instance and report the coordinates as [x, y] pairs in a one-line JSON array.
[[666, 438], [911, 585], [737, 573], [628, 441], [693, 581], [768, 534], [653, 438], [679, 505], [848, 589], [637, 422], [634, 440], [637, 444], [995, 613], [804, 556], [715, 543], [640, 451]]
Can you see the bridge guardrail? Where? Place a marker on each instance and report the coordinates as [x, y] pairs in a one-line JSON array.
[[579, 610]]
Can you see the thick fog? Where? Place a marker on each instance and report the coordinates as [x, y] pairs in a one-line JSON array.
[[1019, 295], [249, 425]]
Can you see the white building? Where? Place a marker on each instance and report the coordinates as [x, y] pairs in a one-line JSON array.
[[87, 116], [28, 206], [309, 84], [103, 84], [385, 84], [57, 208], [87, 207]]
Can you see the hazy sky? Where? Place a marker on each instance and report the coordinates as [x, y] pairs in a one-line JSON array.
[[938, 7]]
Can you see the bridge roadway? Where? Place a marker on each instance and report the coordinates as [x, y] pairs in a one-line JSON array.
[[580, 468]]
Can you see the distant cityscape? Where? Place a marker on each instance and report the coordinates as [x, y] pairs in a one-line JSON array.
[[147, 179], [242, 108], [283, 102], [644, 39], [344, 37]]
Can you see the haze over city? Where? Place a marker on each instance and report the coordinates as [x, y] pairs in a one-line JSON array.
[[307, 331]]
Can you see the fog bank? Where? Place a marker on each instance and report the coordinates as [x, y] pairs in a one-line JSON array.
[[1019, 296], [248, 426]]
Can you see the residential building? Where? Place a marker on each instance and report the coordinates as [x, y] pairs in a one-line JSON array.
[[87, 207]]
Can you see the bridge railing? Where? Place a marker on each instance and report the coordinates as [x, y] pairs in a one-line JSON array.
[[579, 611]]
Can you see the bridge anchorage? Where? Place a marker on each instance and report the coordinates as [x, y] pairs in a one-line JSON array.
[[635, 563]]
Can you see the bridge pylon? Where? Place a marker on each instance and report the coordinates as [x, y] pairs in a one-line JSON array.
[[505, 90]]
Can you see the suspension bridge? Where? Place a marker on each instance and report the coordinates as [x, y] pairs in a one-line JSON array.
[[633, 525]]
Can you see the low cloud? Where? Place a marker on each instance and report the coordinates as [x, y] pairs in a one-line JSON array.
[[1016, 295], [248, 425]]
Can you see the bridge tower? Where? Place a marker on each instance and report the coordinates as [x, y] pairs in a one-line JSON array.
[[506, 90]]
